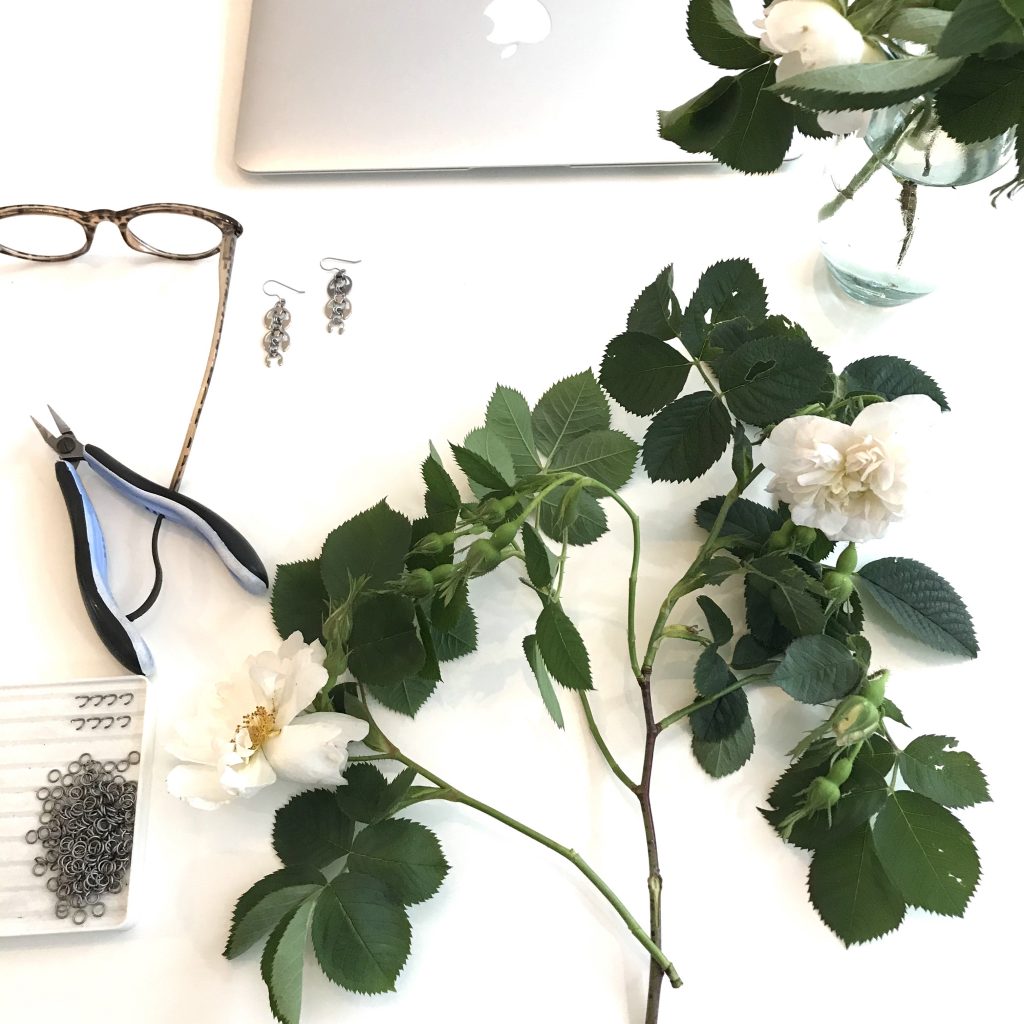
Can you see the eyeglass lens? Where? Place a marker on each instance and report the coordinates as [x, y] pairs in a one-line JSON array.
[[44, 234], [180, 234]]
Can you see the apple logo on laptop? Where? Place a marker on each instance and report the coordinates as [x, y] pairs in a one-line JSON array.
[[516, 22]]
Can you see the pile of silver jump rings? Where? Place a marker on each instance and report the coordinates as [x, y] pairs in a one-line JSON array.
[[85, 831]]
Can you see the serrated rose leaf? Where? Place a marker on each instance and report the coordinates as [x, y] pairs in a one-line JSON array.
[[931, 766], [402, 854], [926, 852], [851, 892], [361, 934]]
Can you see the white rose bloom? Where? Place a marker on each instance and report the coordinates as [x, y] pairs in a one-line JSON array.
[[813, 34], [849, 481], [244, 733]]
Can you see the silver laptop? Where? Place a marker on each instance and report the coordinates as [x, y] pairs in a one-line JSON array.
[[385, 85]]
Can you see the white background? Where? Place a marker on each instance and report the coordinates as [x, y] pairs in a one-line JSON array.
[[518, 278]]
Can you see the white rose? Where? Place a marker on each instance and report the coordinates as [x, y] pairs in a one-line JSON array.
[[849, 481], [812, 34], [244, 733]]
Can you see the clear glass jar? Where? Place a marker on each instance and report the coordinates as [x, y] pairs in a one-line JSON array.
[[892, 222]]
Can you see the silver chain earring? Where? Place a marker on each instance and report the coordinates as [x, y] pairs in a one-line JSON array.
[[339, 306], [277, 340]]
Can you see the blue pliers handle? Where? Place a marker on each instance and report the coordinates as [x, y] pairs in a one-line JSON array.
[[118, 633]]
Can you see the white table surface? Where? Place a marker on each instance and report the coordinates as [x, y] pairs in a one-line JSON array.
[[518, 278]]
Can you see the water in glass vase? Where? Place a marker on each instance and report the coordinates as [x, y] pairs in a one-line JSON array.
[[894, 220]]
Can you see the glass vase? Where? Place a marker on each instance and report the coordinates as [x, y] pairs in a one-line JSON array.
[[894, 215]]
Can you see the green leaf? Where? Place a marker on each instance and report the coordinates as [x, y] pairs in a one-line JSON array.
[[792, 595], [887, 708], [562, 648], [748, 654], [930, 766], [364, 797], [642, 373], [457, 641], [717, 570], [868, 86], [699, 124], [715, 34], [757, 140], [878, 754], [974, 26], [590, 522], [726, 291], [768, 380], [687, 438], [572, 407], [442, 499], [540, 673], [717, 721], [746, 523], [719, 623], [540, 563], [923, 25], [311, 829], [605, 455], [922, 602], [445, 615], [761, 618], [926, 852], [372, 545], [261, 908], [299, 600], [723, 757], [816, 669], [851, 892], [863, 795], [405, 697], [282, 962], [656, 310], [482, 475], [489, 446], [385, 647], [892, 378], [361, 935], [508, 418], [983, 99], [404, 855]]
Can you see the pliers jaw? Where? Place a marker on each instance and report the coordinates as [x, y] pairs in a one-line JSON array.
[[67, 446]]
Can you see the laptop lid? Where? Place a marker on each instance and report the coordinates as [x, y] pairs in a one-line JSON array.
[[381, 85]]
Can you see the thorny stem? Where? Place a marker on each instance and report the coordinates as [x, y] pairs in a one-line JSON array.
[[654, 879], [875, 161]]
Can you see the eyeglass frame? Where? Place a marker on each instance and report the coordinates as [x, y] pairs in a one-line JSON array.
[[90, 220]]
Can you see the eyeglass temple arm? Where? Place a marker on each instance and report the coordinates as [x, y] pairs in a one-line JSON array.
[[227, 255]]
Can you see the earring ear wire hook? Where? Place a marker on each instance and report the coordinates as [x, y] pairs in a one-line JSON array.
[[280, 284], [335, 259]]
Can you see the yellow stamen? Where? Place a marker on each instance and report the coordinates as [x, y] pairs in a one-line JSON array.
[[260, 725]]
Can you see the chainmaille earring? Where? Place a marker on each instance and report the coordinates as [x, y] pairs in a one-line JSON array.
[[339, 307], [278, 317]]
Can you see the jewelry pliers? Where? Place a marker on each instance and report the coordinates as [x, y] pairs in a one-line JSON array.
[[114, 628]]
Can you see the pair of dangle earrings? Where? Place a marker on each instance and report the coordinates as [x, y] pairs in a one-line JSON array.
[[278, 317]]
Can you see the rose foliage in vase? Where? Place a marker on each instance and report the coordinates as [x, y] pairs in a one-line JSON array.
[[389, 598], [818, 66]]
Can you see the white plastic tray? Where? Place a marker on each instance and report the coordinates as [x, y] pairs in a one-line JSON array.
[[45, 727]]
